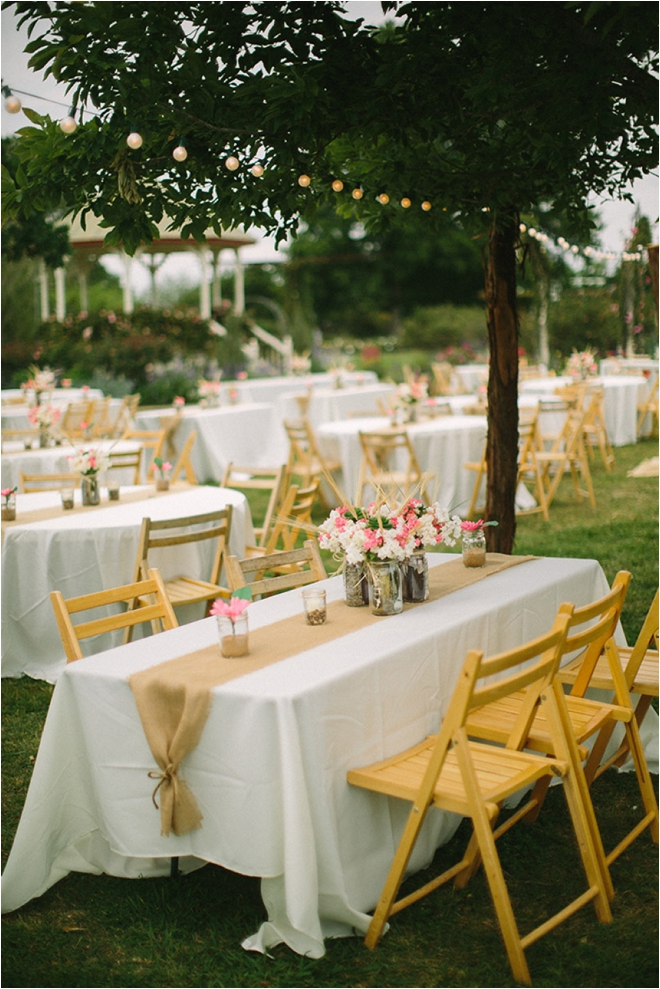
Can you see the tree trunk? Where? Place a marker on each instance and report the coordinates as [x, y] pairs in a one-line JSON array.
[[502, 453]]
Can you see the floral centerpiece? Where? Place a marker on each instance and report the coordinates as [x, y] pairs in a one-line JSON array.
[[209, 392], [582, 364], [161, 469], [378, 534], [409, 396], [40, 381], [232, 622], [44, 417], [474, 542], [8, 504], [89, 463], [301, 363]]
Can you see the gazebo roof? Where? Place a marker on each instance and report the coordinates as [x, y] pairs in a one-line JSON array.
[[90, 240]]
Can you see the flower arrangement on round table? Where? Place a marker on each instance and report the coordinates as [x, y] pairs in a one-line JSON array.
[[44, 417], [582, 364], [161, 469], [89, 463], [409, 396]]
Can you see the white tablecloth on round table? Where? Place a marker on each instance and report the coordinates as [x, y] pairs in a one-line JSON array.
[[270, 389], [53, 459], [621, 396], [16, 416], [334, 404], [269, 772], [472, 376], [249, 433], [78, 553], [58, 396], [442, 445]]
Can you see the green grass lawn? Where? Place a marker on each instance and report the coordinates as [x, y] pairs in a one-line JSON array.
[[101, 931]]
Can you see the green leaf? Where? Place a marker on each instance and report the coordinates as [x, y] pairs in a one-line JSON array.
[[243, 592]]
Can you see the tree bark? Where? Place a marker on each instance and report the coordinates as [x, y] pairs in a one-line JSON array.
[[503, 332]]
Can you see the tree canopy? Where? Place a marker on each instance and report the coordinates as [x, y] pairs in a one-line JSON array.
[[262, 113], [467, 107]]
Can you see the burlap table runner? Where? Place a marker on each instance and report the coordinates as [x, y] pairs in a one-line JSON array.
[[174, 698], [57, 512]]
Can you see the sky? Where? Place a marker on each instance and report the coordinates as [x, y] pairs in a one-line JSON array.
[[617, 216]]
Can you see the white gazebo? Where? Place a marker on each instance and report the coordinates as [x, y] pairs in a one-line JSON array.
[[88, 244]]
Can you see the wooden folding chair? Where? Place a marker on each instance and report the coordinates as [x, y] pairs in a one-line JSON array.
[[595, 429], [451, 772], [75, 414], [649, 407], [101, 426], [152, 442], [293, 516], [165, 533], [444, 379], [155, 609], [305, 459], [568, 453], [585, 718], [46, 482], [126, 461], [123, 421], [378, 470], [529, 470], [184, 463], [267, 479], [247, 573], [639, 665], [28, 437]]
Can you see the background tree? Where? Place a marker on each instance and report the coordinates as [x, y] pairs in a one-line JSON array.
[[480, 109]]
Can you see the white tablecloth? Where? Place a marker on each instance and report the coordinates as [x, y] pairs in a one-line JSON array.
[[16, 416], [58, 396], [442, 445], [334, 404], [53, 459], [78, 553], [472, 375], [270, 769], [621, 395], [270, 389], [249, 433]]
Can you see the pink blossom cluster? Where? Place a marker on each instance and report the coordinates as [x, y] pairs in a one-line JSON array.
[[43, 416], [230, 609], [87, 461]]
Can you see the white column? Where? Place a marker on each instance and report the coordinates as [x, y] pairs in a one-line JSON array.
[[43, 290], [217, 281], [128, 295], [60, 294], [204, 287], [239, 286]]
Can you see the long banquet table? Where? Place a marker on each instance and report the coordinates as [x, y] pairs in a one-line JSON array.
[[249, 433], [92, 549], [442, 446], [269, 771], [621, 396], [53, 459]]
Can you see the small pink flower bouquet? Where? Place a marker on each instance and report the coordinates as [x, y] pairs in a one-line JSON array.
[[232, 622], [43, 416]]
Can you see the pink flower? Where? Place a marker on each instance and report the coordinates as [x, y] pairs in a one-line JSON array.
[[7, 491], [179, 400], [472, 526], [231, 609]]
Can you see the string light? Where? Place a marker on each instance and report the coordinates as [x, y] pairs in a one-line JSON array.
[[304, 181], [134, 140], [180, 153], [337, 185], [383, 198], [68, 124], [426, 206], [13, 104], [588, 252], [232, 163], [357, 193], [406, 203], [257, 171]]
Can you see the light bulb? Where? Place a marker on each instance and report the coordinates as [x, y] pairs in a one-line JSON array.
[[426, 206], [522, 228], [575, 249], [68, 125], [134, 140], [357, 193], [257, 171], [13, 104], [383, 198], [180, 153], [532, 231], [304, 181], [337, 185], [406, 203], [232, 163]]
